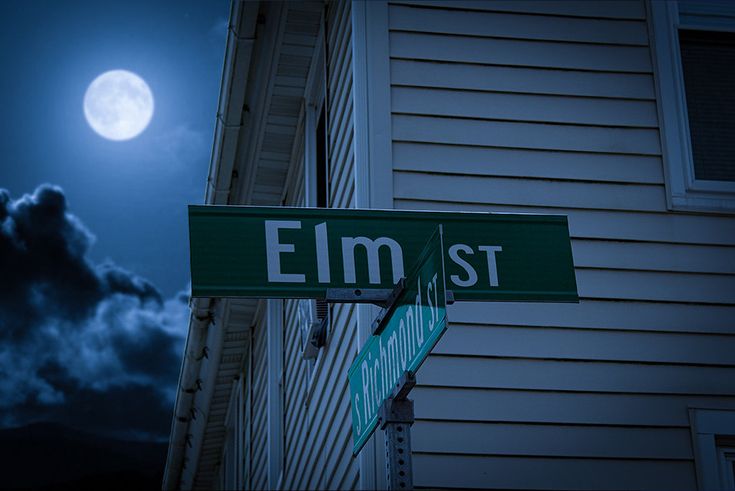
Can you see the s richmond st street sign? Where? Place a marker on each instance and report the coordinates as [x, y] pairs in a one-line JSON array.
[[403, 341], [278, 252]]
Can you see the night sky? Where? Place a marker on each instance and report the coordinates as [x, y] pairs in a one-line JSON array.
[[93, 234]]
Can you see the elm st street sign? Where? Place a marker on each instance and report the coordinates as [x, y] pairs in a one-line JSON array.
[[279, 252], [402, 341]]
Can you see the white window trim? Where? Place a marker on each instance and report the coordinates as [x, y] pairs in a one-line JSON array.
[[274, 327], [706, 425], [685, 192], [373, 166], [315, 98]]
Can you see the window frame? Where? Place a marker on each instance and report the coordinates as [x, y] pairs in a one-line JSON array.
[[315, 102], [709, 427], [684, 191]]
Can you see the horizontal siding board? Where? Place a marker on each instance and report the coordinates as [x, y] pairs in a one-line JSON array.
[[569, 408], [492, 373], [323, 403], [668, 287], [612, 9], [653, 256], [511, 25], [600, 314], [523, 107], [537, 192], [602, 224], [490, 51], [587, 344], [551, 440], [486, 161], [454, 75], [464, 471], [525, 135]]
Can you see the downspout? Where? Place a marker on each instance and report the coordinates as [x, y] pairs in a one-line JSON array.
[[184, 410]]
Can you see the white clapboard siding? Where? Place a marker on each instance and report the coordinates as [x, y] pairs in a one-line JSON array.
[[468, 471], [524, 107], [600, 9], [259, 433], [652, 286], [512, 25], [601, 314], [340, 124], [470, 49], [653, 256], [521, 80], [603, 224], [539, 192], [638, 141], [506, 162], [549, 107], [587, 344], [327, 393], [551, 407], [520, 373], [541, 440]]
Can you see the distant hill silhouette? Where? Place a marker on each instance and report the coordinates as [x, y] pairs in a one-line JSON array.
[[50, 456]]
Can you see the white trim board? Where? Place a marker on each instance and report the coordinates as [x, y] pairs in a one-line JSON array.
[[373, 164], [685, 192]]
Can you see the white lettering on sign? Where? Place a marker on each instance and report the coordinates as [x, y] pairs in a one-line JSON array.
[[492, 267], [322, 253], [471, 273], [394, 356], [274, 249], [372, 247]]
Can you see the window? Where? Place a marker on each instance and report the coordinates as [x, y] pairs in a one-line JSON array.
[[314, 319], [713, 435], [694, 47]]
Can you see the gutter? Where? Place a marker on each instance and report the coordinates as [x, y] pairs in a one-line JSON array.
[[185, 435]]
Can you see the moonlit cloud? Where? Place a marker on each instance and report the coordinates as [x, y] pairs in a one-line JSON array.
[[89, 345], [180, 146]]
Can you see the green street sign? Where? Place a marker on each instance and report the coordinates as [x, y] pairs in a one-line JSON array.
[[279, 252], [404, 339]]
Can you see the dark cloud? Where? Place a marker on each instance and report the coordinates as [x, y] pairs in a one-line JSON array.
[[91, 345]]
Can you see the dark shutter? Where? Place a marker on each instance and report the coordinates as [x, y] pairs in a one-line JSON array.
[[708, 63]]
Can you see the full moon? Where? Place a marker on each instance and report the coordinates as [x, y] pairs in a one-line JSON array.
[[118, 105]]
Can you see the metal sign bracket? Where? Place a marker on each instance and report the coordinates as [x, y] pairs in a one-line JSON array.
[[396, 418]]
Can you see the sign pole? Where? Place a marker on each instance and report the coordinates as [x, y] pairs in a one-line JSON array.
[[396, 415]]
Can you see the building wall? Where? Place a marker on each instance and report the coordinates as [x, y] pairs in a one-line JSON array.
[[550, 107], [317, 427], [259, 413]]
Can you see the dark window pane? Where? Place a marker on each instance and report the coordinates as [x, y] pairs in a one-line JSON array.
[[322, 188], [708, 62]]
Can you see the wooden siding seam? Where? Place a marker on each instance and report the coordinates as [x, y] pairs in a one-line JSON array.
[[615, 330], [560, 150], [551, 424], [523, 92], [403, 30], [535, 67], [555, 457], [591, 361], [544, 122], [454, 173], [464, 7]]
